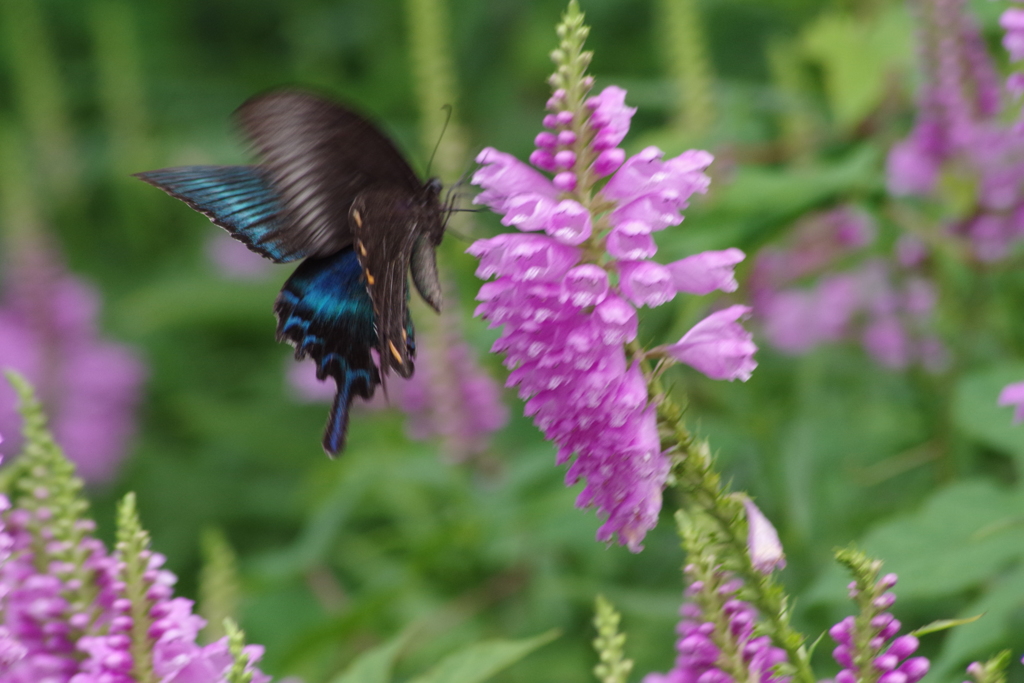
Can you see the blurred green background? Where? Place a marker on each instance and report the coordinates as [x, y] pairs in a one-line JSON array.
[[798, 99]]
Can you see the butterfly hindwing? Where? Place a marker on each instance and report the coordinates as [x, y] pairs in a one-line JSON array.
[[240, 199], [324, 311], [385, 226], [319, 157]]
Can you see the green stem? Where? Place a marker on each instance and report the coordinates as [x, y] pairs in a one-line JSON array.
[[694, 475]]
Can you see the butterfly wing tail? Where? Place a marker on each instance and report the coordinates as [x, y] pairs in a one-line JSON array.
[[336, 430], [323, 310]]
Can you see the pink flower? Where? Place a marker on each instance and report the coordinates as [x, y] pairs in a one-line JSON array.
[[565, 322], [762, 541], [1013, 395], [1012, 21], [234, 259], [48, 333], [646, 283], [911, 170], [718, 346], [705, 272]]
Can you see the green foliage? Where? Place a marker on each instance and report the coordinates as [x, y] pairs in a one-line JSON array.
[[219, 588], [472, 664], [480, 661], [861, 57], [236, 646], [612, 667], [374, 665], [133, 551]]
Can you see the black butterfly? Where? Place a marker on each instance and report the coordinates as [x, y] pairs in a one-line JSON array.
[[331, 189]]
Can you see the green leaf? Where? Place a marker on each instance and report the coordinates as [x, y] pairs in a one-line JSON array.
[[480, 661], [859, 56], [374, 665], [963, 535], [976, 413], [998, 605], [944, 624]]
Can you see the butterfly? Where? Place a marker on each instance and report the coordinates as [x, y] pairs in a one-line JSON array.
[[331, 189]]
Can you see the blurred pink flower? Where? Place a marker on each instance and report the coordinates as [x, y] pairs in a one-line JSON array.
[[89, 386], [234, 259], [1013, 395]]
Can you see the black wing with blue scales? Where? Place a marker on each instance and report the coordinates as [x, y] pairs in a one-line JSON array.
[[324, 311], [239, 199]]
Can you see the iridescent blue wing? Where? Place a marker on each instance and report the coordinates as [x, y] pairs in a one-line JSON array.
[[324, 311], [240, 199]]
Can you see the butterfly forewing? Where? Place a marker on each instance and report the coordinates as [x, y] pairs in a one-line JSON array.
[[319, 156]]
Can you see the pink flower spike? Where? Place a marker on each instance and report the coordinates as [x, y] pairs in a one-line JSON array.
[[1013, 395], [718, 346], [569, 223], [705, 272], [567, 138], [762, 541], [631, 241], [646, 283]]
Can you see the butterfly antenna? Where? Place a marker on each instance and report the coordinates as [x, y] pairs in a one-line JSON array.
[[447, 120]]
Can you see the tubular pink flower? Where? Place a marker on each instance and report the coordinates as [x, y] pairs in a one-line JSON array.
[[674, 181], [718, 346], [705, 272], [631, 241], [502, 176], [569, 223], [646, 283], [762, 541], [654, 211], [529, 212], [585, 285]]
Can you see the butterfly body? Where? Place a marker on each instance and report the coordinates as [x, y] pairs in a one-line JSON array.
[[332, 190]]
